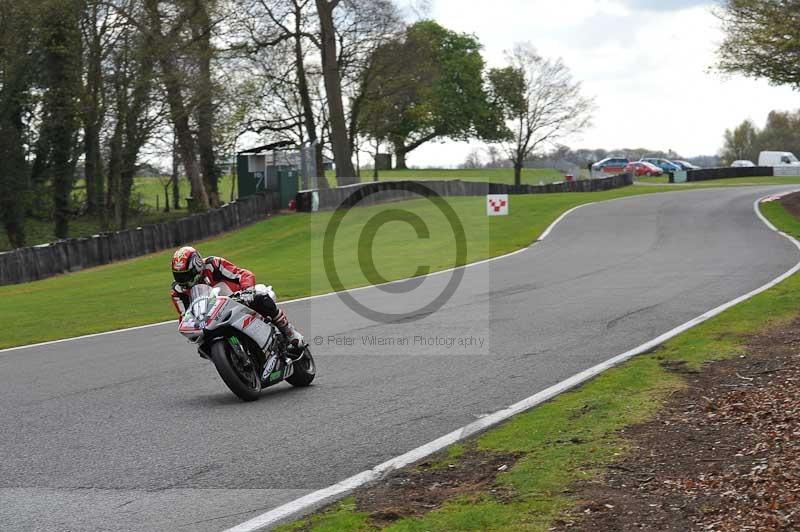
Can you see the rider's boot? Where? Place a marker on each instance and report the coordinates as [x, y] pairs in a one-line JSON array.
[[292, 335]]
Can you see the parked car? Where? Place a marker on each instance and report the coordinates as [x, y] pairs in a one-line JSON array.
[[742, 164], [611, 165], [777, 158], [640, 168], [665, 164], [686, 165]]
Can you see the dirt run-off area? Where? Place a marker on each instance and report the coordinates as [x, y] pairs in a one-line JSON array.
[[723, 455]]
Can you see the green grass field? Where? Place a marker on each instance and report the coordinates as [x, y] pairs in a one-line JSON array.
[[284, 251], [146, 190], [577, 435], [530, 176]]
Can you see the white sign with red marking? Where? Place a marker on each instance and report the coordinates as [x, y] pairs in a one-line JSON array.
[[497, 205]]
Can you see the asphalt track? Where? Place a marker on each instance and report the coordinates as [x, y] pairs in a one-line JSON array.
[[132, 431]]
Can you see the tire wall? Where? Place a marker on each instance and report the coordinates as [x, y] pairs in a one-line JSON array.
[[726, 173], [384, 191]]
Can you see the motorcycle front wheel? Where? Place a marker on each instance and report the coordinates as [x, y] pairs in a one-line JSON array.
[[242, 381]]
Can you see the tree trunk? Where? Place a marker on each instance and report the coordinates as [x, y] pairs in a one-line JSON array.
[[186, 144], [93, 116], [176, 186], [201, 29], [375, 162], [93, 168], [342, 155], [13, 174], [124, 200], [400, 156], [309, 120], [114, 171], [517, 172], [319, 156]]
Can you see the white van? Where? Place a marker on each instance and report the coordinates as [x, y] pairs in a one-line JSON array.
[[777, 158]]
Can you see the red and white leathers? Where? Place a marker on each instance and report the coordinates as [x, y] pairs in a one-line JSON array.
[[219, 272]]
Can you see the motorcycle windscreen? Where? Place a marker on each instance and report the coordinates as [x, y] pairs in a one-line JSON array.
[[202, 300]]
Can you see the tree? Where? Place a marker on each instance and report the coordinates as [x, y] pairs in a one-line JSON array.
[[97, 27], [61, 81], [493, 153], [425, 85], [201, 26], [540, 101], [781, 133], [473, 159], [342, 153], [283, 41], [762, 40], [746, 141], [286, 103], [362, 28], [133, 84], [163, 37], [16, 80], [741, 143]]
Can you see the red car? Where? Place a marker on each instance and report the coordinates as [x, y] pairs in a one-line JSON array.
[[640, 168]]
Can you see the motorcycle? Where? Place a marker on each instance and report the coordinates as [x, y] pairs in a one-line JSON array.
[[249, 352]]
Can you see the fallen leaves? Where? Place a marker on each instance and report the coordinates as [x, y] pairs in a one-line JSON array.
[[723, 456]]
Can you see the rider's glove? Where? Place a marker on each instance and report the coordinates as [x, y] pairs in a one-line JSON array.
[[245, 296]]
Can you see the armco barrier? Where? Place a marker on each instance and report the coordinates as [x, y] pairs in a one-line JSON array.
[[725, 173], [384, 191], [39, 262]]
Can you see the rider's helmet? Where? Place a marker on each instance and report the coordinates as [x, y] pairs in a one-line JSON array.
[[187, 267]]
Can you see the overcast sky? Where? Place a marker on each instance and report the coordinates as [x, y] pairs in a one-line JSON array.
[[646, 62]]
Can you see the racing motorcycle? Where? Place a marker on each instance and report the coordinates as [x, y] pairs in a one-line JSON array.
[[249, 352]]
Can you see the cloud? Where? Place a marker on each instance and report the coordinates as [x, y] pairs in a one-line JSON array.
[[665, 5]]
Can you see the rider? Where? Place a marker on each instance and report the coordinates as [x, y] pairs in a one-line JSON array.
[[189, 268]]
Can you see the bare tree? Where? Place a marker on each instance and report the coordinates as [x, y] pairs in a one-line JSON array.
[[284, 39], [493, 153], [473, 159], [163, 38], [134, 119], [97, 26], [541, 103]]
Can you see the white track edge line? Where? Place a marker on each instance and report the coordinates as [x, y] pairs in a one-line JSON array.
[[317, 296], [315, 498]]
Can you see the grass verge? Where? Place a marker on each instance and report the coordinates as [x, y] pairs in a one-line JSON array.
[[530, 176], [575, 436]]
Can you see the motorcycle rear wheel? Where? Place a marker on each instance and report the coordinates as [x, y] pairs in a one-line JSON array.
[[245, 384]]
